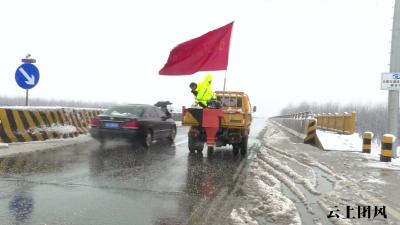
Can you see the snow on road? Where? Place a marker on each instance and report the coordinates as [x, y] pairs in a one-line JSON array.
[[289, 182]]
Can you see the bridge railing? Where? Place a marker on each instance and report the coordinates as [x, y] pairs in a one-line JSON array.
[[341, 123], [300, 115]]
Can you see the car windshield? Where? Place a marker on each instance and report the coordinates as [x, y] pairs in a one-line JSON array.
[[124, 111]]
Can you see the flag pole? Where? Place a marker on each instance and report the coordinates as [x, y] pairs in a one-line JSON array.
[[225, 79], [227, 65]]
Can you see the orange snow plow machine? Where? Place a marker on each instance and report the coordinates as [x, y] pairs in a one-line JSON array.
[[226, 122]]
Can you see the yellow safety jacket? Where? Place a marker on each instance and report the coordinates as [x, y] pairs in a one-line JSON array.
[[204, 91]]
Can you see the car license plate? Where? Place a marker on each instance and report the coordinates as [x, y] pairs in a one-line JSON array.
[[111, 125]]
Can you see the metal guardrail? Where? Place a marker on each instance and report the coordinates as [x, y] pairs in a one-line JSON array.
[[301, 115]]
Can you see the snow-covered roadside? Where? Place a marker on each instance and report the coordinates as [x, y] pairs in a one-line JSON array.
[[339, 142], [295, 183], [264, 199], [353, 143]]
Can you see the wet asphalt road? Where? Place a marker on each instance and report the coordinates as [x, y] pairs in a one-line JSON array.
[[118, 184]]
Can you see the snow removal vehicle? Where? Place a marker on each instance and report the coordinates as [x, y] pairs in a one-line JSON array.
[[225, 123]]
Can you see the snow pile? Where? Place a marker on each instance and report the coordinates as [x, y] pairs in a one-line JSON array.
[[340, 142], [56, 128], [3, 145], [241, 216], [265, 200]]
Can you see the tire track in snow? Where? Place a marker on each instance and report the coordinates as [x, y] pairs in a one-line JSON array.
[[345, 191], [286, 162]]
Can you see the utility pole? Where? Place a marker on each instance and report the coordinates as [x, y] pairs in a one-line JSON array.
[[393, 99]]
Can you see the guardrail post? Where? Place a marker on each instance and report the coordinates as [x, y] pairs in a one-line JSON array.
[[1, 140], [353, 123], [386, 148], [335, 122], [330, 121], [343, 124], [367, 139]]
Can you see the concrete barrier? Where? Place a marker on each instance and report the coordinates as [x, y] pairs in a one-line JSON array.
[[304, 128], [38, 124], [387, 148], [367, 140], [341, 123]]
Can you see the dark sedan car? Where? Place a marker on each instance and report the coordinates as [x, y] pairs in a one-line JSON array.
[[136, 123]]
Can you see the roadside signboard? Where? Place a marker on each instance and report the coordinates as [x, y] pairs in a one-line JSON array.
[[390, 81], [27, 76]]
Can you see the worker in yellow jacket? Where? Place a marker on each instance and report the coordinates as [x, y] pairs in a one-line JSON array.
[[203, 91]]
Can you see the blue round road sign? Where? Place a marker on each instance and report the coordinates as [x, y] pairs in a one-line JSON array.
[[27, 76]]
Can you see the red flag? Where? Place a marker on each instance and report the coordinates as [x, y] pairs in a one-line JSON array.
[[208, 52]]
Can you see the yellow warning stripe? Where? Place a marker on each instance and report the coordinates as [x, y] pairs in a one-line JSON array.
[[48, 116], [71, 122], [309, 137], [387, 139], [52, 122], [91, 113], [42, 124], [20, 126], [366, 146], [387, 153], [55, 114], [32, 125], [6, 125], [63, 118], [313, 128], [69, 119], [76, 124]]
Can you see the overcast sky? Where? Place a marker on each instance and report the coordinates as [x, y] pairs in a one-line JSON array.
[[282, 51]]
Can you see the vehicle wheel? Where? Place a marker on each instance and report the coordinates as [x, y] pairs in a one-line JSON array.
[[191, 145], [235, 149], [148, 139], [243, 146], [210, 150], [171, 138], [200, 147], [195, 145]]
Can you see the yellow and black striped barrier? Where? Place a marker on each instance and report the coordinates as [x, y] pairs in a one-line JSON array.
[[24, 125], [311, 136], [386, 148], [367, 140], [311, 132]]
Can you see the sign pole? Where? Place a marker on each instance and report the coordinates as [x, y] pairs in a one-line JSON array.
[[27, 97], [393, 96]]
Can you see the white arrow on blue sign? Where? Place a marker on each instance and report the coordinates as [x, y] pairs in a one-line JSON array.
[[27, 76]]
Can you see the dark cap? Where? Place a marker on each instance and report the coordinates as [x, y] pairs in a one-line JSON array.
[[193, 84]]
